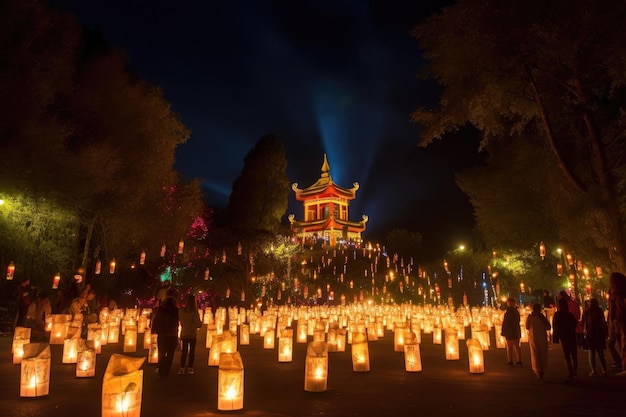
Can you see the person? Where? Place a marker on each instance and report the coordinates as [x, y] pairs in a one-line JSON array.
[[23, 302], [617, 311], [161, 292], [189, 324], [93, 307], [574, 308], [548, 300], [512, 332], [564, 332], [614, 339], [62, 303], [79, 307], [596, 332], [165, 325], [538, 326]]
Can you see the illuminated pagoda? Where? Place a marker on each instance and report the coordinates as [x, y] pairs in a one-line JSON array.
[[326, 211]]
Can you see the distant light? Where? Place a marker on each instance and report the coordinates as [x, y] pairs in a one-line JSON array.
[[1, 201], [462, 247]]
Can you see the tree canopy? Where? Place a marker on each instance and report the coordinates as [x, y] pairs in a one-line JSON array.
[[534, 70]]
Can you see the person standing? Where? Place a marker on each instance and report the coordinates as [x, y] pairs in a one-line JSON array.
[[596, 332], [165, 325], [617, 312], [189, 323], [574, 308], [23, 302], [564, 332], [512, 332], [538, 326]]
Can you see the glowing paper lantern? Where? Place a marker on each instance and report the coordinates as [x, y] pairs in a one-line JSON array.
[[35, 370], [316, 367], [301, 330], [244, 334], [142, 257], [222, 343], [114, 333], [112, 266], [412, 354], [230, 382], [153, 352], [360, 353], [130, 339], [122, 387], [86, 363], [452, 344], [398, 337], [58, 328], [181, 246], [269, 339], [285, 346], [437, 335], [56, 280], [21, 336], [70, 350], [475, 356]]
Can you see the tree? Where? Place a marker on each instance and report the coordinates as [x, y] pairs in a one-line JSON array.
[[404, 243], [551, 70], [259, 197]]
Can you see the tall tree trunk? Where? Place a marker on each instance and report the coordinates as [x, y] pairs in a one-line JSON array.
[[92, 222]]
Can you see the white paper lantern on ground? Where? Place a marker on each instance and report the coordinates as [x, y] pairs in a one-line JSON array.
[[316, 367], [230, 382], [360, 353], [122, 387], [35, 370], [475, 356]]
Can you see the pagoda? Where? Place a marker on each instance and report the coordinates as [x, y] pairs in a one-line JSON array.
[[326, 211]]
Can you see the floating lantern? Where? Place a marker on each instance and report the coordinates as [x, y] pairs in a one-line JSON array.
[[316, 367], [360, 353], [475, 356], [412, 354], [285, 346], [35, 370], [58, 328], [122, 387], [230, 382], [452, 344], [130, 339], [86, 363]]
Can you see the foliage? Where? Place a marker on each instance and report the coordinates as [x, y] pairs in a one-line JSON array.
[[403, 242], [519, 70]]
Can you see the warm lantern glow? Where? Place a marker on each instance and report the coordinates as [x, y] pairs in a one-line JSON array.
[[181, 246], [285, 346], [112, 266], [316, 367], [122, 387], [35, 370], [142, 257], [452, 345], [360, 353], [130, 339], [542, 250], [230, 382], [269, 339], [10, 271], [475, 357], [86, 363]]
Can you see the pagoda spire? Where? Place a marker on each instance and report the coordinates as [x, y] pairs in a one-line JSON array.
[[325, 168]]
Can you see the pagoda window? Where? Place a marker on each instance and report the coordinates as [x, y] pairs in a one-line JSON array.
[[325, 212], [344, 213], [311, 213], [335, 211]]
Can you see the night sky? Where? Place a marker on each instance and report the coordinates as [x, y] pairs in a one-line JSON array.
[[334, 77]]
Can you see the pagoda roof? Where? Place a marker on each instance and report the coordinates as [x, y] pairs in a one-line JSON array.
[[325, 184], [331, 223]]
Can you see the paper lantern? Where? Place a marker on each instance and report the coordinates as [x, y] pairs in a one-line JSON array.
[[285, 346], [112, 266], [70, 350], [398, 337], [230, 382], [35, 370], [316, 367], [452, 344], [21, 336], [480, 332], [153, 352], [58, 328], [500, 340], [114, 333], [147, 338], [301, 330], [122, 387], [360, 353], [244, 334], [269, 339], [437, 335], [56, 280], [222, 343], [412, 357], [86, 363], [211, 332], [331, 338], [130, 339], [475, 356]]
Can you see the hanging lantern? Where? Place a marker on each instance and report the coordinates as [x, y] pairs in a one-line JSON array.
[[542, 250], [56, 280], [475, 357], [142, 257], [181, 246], [122, 387], [206, 274], [223, 256], [452, 344], [243, 295], [162, 252], [599, 272], [98, 267], [316, 367], [35, 370], [239, 249], [360, 353], [285, 346], [112, 266], [230, 382], [588, 289], [10, 271], [559, 269], [570, 259]]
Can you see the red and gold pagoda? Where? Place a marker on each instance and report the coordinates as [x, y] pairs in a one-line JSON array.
[[326, 211]]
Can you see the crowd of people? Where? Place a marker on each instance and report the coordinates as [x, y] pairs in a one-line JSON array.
[[573, 328]]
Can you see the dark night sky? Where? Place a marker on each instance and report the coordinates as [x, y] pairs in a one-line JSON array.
[[335, 77]]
